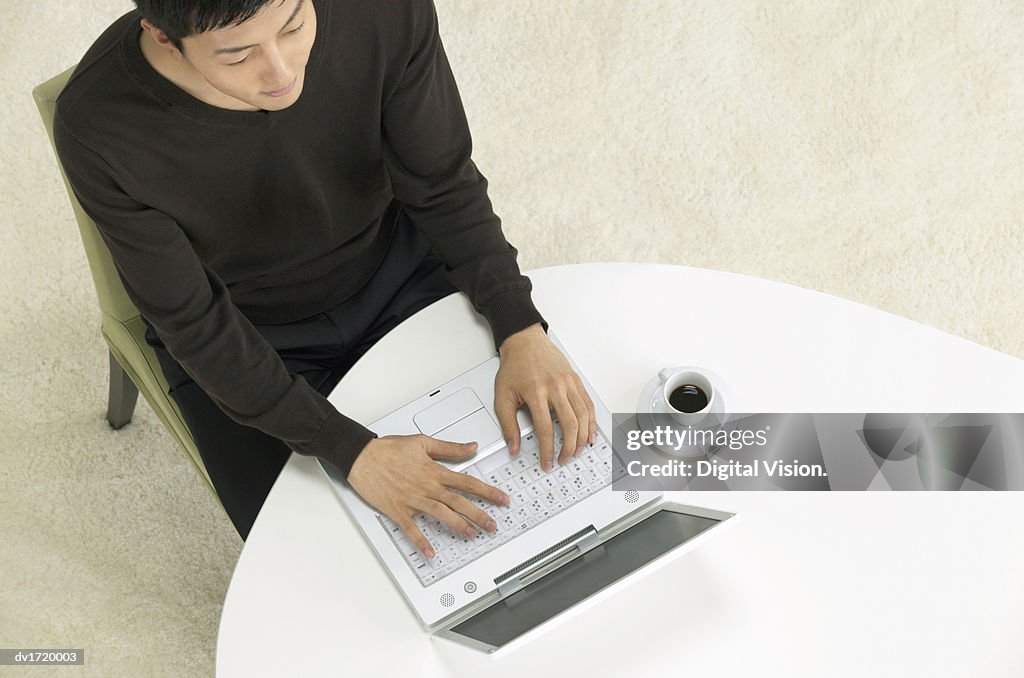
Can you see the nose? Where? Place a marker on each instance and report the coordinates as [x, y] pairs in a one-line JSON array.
[[276, 73]]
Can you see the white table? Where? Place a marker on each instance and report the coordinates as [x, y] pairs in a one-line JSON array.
[[805, 584]]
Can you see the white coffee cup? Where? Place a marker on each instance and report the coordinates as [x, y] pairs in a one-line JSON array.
[[675, 378]]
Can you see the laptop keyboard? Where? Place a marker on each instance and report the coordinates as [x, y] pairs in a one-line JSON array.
[[535, 495]]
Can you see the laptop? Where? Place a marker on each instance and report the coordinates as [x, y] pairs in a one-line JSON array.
[[565, 541]]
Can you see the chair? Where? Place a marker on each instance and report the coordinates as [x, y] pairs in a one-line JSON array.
[[133, 364]]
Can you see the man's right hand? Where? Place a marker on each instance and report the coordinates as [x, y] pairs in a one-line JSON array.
[[398, 476]]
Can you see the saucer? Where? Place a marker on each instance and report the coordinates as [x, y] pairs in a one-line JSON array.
[[650, 414]]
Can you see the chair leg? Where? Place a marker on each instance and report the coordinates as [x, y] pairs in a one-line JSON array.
[[123, 395]]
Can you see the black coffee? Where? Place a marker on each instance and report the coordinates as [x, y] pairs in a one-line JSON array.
[[688, 398]]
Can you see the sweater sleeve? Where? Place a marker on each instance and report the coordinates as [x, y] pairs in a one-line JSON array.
[[190, 308], [427, 151]]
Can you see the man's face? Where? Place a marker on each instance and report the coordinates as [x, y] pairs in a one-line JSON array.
[[262, 61]]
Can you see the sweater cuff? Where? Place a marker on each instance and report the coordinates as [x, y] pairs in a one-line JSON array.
[[339, 441], [510, 312]]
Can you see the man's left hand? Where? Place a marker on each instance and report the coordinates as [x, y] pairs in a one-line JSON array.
[[535, 373]]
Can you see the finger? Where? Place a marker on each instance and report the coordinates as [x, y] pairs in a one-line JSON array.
[[413, 534], [470, 485], [445, 449], [471, 511], [542, 426], [570, 427], [456, 522], [505, 407], [583, 417], [590, 407]]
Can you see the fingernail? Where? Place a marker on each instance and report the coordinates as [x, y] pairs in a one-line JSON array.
[[470, 532], [579, 451], [429, 553], [491, 526], [505, 499], [546, 465], [593, 437]]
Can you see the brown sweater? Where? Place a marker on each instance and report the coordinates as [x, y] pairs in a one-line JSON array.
[[217, 219]]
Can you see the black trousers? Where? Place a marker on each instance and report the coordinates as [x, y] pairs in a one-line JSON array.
[[244, 462]]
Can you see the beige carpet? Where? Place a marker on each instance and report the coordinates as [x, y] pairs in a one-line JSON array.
[[870, 149]]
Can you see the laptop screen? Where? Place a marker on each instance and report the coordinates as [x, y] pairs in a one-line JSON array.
[[580, 578]]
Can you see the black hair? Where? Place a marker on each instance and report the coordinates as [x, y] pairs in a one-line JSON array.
[[182, 18]]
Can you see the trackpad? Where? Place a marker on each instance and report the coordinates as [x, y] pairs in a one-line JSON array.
[[453, 408], [478, 426]]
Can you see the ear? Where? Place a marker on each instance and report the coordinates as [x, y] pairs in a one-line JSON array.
[[161, 39]]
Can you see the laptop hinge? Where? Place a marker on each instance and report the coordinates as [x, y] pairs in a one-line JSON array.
[[547, 561]]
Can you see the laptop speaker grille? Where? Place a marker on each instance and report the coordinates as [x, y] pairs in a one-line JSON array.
[[632, 496], [447, 600]]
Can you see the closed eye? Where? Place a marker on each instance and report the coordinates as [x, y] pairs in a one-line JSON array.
[[246, 57]]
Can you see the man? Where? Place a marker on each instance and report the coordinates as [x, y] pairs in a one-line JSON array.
[[280, 182]]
